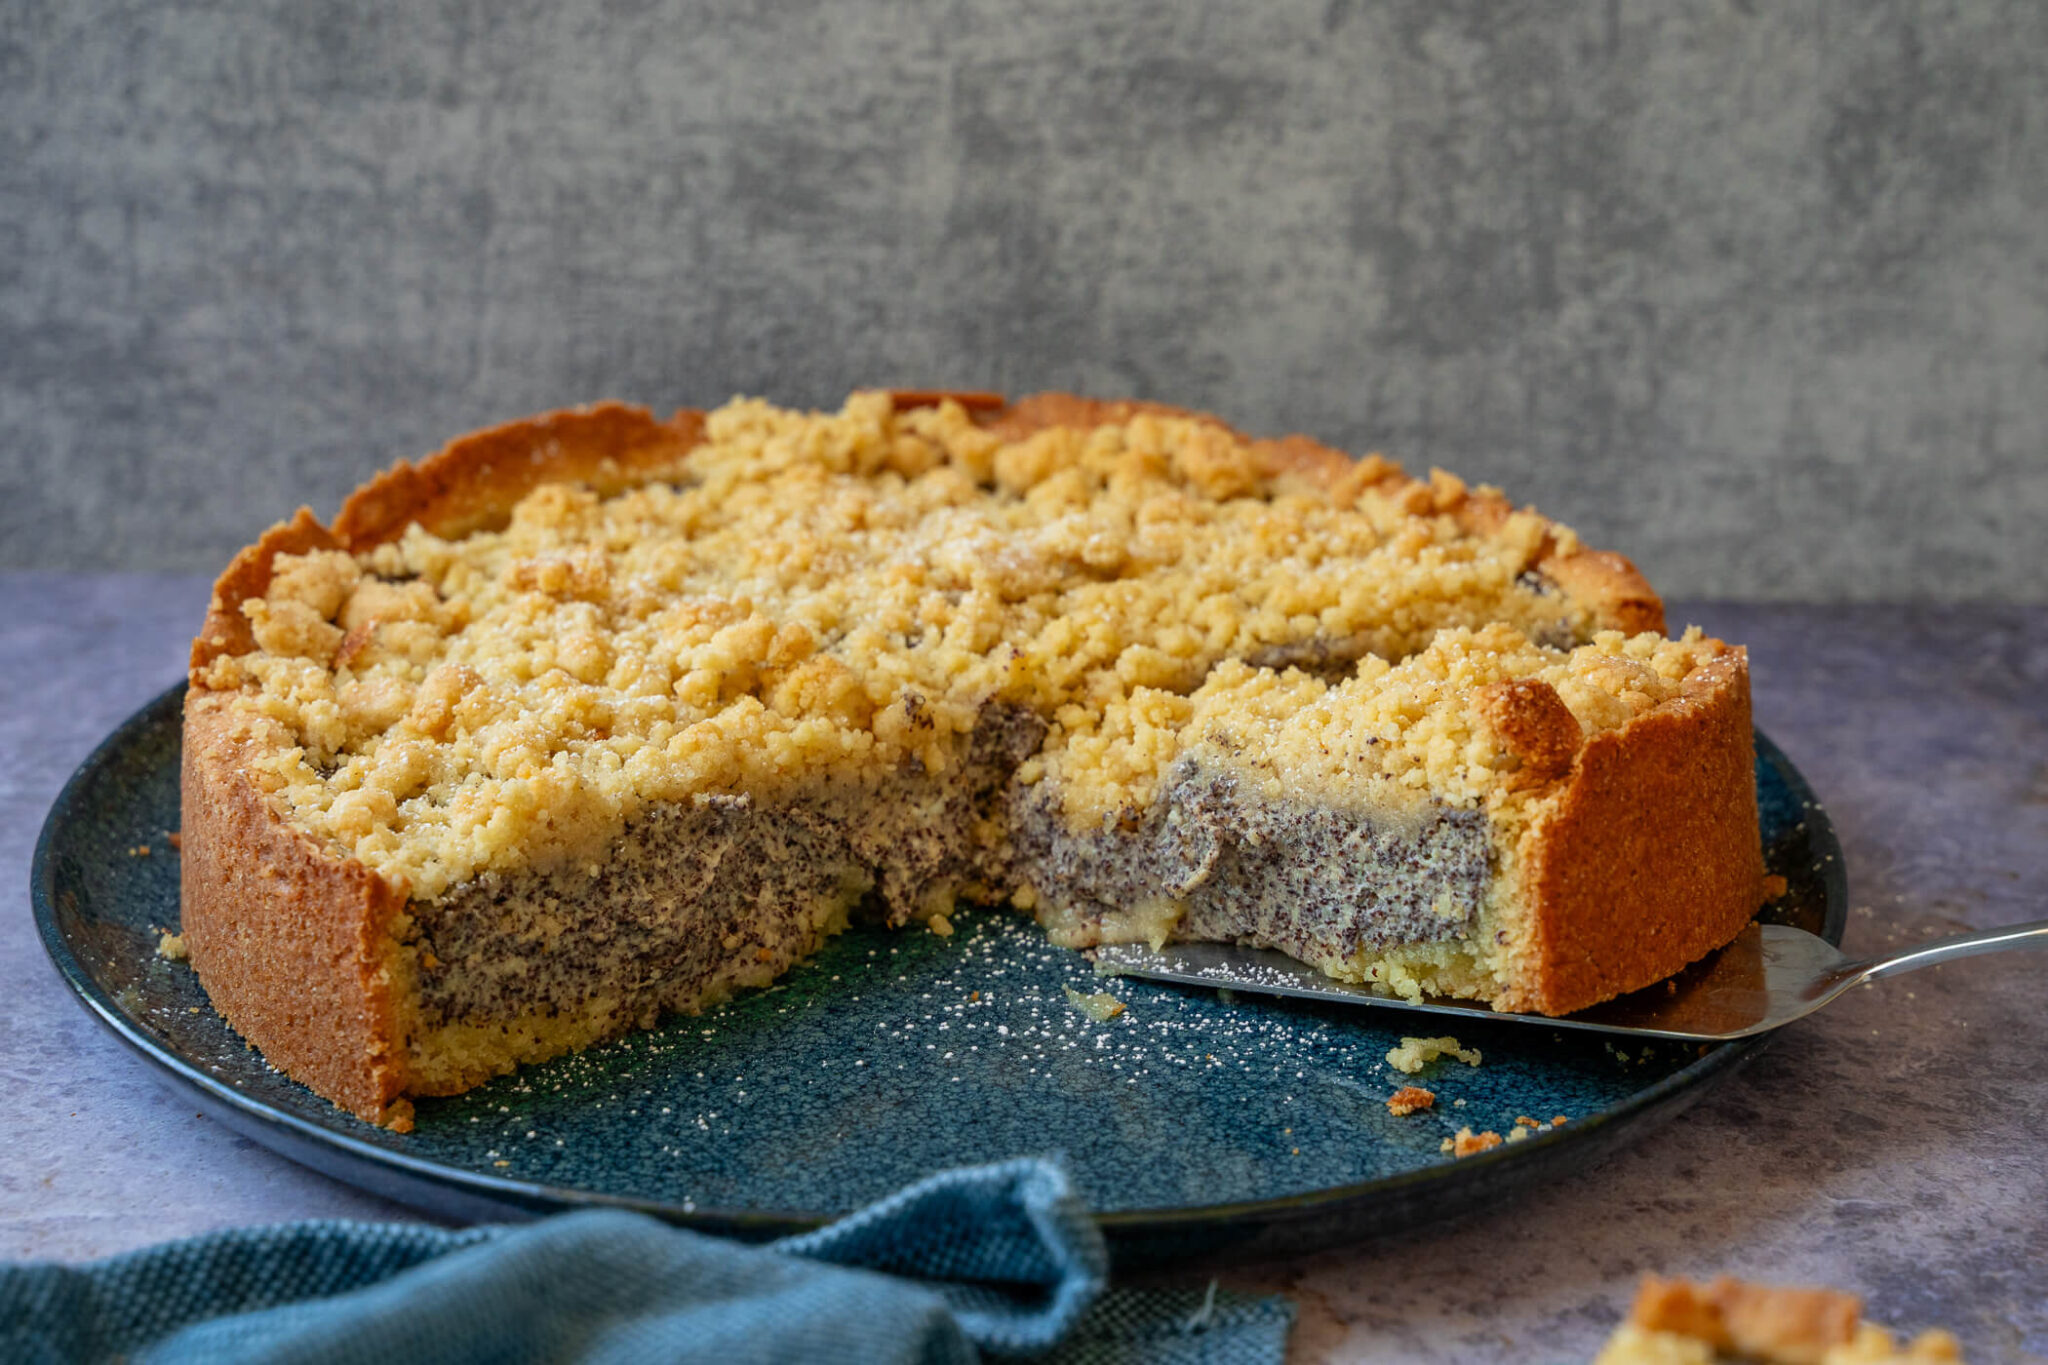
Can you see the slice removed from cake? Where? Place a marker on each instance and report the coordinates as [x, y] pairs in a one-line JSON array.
[[1446, 825], [592, 717]]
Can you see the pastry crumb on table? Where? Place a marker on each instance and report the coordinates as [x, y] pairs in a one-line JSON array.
[[1681, 1322]]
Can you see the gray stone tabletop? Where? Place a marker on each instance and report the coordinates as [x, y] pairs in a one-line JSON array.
[[1891, 1145]]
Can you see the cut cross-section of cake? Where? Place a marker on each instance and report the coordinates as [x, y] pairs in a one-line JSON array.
[[592, 717]]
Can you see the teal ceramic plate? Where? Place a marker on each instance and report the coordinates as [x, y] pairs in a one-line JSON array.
[[1195, 1126]]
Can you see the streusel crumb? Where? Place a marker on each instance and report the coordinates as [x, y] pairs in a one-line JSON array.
[[832, 597], [1415, 1053], [1410, 1099], [1681, 1322], [1469, 1143]]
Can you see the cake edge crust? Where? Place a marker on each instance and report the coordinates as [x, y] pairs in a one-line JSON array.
[[293, 944], [1647, 858], [306, 968]]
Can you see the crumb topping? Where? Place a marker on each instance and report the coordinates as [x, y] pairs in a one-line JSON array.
[[1410, 1099], [1415, 1053], [1100, 1006], [1468, 1143], [1674, 1321], [1388, 732], [837, 596]]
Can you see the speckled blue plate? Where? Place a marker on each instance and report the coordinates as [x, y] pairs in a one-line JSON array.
[[1195, 1127]]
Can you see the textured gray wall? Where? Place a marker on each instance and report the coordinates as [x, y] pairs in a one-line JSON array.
[[1758, 293]]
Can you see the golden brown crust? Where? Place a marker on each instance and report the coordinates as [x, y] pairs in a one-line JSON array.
[[475, 481], [1041, 411], [226, 631], [974, 400], [291, 941], [1276, 455], [1533, 725], [1616, 590], [1609, 583], [1648, 859]]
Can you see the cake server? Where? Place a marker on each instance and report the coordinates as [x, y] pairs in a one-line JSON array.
[[1770, 975]]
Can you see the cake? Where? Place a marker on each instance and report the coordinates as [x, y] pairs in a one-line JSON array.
[[1679, 1322], [595, 716]]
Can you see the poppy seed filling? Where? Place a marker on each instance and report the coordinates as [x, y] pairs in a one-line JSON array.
[[697, 899], [1221, 863]]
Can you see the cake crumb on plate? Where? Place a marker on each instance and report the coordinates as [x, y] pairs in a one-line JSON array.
[[1416, 1053], [1410, 1099], [1101, 1006], [1467, 1142]]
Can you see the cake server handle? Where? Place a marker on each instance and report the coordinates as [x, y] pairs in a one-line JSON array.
[[1769, 976], [2033, 934]]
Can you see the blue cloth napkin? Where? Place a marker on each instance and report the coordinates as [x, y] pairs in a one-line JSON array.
[[996, 1259]]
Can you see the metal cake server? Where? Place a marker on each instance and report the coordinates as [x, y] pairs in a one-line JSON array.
[[1770, 975]]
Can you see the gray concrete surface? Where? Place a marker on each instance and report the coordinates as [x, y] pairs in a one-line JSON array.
[[1890, 1145], [1758, 293]]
